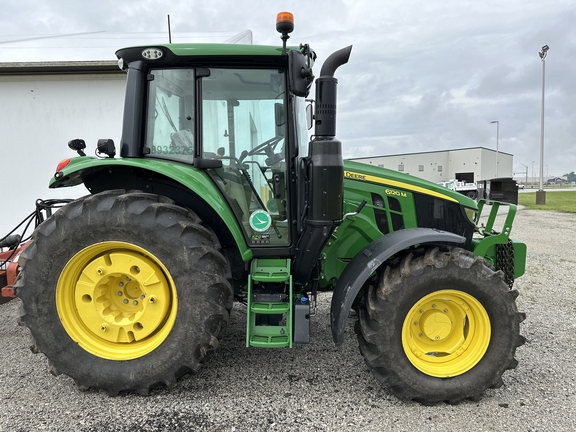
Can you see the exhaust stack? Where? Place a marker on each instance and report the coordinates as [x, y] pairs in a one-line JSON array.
[[325, 172]]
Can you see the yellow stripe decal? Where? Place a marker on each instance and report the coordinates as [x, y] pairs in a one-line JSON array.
[[393, 183]]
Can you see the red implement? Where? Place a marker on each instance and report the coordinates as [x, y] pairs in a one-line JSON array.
[[8, 271]]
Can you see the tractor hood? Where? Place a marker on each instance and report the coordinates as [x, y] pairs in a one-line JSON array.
[[393, 179]]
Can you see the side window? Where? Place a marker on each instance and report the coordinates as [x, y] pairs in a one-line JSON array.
[[170, 115]]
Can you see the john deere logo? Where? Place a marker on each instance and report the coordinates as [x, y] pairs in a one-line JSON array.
[[260, 221]]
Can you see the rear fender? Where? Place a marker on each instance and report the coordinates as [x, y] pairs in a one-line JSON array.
[[368, 260], [111, 173]]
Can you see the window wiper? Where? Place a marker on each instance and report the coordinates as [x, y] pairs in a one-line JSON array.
[[167, 114]]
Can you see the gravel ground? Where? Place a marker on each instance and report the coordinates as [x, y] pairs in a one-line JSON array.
[[318, 387]]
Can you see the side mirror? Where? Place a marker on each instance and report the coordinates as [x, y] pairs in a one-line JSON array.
[[309, 116], [301, 76]]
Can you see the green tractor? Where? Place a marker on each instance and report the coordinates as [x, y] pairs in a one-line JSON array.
[[219, 195]]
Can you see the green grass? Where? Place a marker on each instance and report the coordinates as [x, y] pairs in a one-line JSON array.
[[564, 202]]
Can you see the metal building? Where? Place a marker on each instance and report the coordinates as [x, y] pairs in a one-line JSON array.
[[468, 164]]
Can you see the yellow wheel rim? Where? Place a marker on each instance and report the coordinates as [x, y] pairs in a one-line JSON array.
[[116, 300], [446, 333]]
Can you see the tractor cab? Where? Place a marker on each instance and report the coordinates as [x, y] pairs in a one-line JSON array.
[[234, 123], [235, 112]]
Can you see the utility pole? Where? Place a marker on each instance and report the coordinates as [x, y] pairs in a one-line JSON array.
[[541, 193], [525, 166], [497, 136]]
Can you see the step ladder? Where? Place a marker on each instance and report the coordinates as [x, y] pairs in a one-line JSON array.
[[269, 336]]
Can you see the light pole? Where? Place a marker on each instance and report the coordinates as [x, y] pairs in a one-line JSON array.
[[540, 193], [497, 135], [532, 179], [525, 166]]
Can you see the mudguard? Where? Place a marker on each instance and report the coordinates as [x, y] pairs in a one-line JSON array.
[[368, 260]]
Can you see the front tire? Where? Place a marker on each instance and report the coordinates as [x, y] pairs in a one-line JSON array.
[[124, 291], [439, 326]]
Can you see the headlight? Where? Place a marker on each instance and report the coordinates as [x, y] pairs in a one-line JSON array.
[[471, 214]]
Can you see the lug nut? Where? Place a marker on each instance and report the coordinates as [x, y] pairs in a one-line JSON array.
[[135, 302], [120, 293], [125, 301], [120, 284]]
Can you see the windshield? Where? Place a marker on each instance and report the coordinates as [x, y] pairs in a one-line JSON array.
[[244, 126]]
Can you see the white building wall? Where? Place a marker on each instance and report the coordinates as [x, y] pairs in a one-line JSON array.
[[465, 161], [39, 114], [445, 165]]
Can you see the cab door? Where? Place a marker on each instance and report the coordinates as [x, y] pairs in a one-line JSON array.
[[244, 126]]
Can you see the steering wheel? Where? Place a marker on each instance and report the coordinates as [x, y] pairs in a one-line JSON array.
[[265, 149]]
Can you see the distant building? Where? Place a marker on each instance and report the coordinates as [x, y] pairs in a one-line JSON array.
[[469, 164]]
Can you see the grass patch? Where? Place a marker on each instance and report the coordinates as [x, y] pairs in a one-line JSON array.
[[564, 202]]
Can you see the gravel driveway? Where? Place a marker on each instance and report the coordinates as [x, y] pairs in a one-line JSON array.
[[318, 387]]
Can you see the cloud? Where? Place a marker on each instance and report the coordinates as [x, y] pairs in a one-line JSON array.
[[422, 75]]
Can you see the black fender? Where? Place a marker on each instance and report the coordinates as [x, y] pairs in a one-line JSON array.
[[368, 260]]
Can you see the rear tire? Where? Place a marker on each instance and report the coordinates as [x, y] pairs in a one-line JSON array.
[[439, 326], [124, 291]]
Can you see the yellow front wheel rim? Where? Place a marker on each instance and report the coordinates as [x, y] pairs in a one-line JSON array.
[[116, 300], [446, 333]]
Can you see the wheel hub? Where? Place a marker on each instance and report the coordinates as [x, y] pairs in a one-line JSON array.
[[437, 326]]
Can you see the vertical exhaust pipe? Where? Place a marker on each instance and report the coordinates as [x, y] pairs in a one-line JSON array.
[[326, 92], [325, 172]]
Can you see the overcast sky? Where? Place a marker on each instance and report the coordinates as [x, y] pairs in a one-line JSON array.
[[424, 75]]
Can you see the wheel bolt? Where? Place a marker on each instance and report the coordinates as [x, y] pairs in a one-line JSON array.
[[415, 322], [125, 301], [100, 271], [142, 297], [421, 310], [120, 293], [120, 284], [128, 279], [152, 299], [135, 302], [103, 328], [446, 310], [420, 334], [434, 306]]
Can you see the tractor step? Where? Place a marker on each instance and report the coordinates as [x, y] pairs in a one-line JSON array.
[[269, 312]]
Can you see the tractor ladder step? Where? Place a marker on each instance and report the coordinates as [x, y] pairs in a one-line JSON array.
[[269, 312]]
